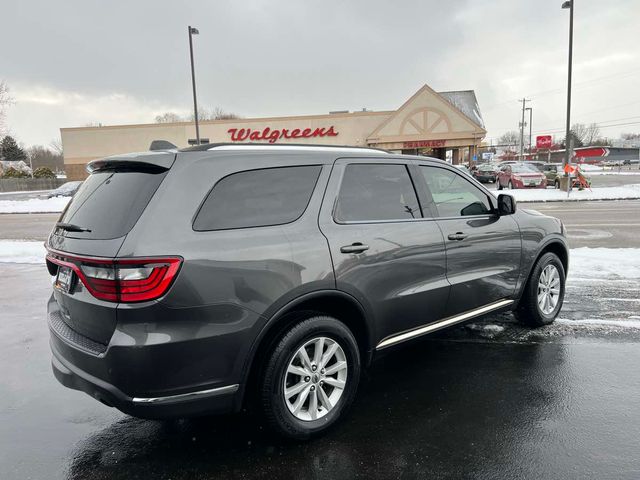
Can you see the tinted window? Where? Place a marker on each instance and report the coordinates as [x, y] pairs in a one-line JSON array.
[[453, 196], [376, 192], [524, 169], [110, 202], [257, 198]]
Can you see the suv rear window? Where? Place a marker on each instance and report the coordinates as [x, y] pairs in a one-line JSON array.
[[258, 198], [110, 202]]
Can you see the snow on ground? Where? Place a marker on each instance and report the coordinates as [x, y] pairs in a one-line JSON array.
[[16, 251], [553, 195], [34, 205], [600, 263]]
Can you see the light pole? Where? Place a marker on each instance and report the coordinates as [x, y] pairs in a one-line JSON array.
[[530, 120], [567, 154], [194, 31]]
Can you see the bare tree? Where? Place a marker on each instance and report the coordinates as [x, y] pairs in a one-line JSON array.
[[43, 157], [509, 138], [592, 134], [169, 117], [219, 114], [5, 100], [56, 146]]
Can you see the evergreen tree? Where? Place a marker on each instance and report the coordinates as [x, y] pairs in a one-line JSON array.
[[9, 150]]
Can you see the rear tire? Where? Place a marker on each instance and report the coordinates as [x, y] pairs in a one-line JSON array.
[[294, 366], [544, 292]]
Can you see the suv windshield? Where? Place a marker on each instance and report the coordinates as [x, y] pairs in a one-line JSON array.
[[524, 169], [109, 203]]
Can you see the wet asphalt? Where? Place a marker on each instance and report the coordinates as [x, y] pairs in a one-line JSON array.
[[560, 402]]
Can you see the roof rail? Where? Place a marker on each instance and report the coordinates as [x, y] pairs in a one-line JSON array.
[[210, 146]]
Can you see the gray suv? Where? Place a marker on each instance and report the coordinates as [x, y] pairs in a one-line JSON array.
[[187, 282]]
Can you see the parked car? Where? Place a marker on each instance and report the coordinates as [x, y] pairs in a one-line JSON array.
[[520, 175], [463, 168], [67, 189], [486, 173], [553, 172], [187, 282]]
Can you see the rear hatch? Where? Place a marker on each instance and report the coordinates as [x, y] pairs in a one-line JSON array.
[[88, 235]]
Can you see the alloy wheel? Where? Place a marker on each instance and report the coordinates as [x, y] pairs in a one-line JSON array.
[[315, 379], [548, 289]]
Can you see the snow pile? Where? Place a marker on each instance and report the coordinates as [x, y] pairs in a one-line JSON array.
[[554, 195], [34, 205], [16, 251], [604, 264]]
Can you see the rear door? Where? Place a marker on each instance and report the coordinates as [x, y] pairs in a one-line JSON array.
[[385, 252], [483, 248]]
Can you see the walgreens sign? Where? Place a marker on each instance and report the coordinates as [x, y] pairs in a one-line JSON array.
[[273, 135]]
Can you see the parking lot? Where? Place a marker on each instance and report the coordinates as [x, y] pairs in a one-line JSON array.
[[559, 402]]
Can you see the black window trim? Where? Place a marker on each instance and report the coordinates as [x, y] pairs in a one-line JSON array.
[[492, 200], [363, 161], [206, 196]]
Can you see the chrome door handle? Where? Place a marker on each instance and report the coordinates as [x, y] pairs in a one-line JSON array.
[[457, 236], [356, 247]]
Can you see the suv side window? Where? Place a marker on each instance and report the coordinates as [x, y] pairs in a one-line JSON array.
[[453, 196], [374, 192], [257, 198]]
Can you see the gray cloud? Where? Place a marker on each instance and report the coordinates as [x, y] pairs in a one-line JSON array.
[[74, 62]]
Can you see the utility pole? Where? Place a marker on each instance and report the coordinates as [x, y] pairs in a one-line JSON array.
[[194, 31], [530, 123], [524, 101], [568, 143]]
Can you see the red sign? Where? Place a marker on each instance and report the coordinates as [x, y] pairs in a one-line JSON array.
[[544, 141], [272, 136], [425, 143]]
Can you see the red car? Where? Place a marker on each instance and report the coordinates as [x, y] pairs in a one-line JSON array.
[[521, 175]]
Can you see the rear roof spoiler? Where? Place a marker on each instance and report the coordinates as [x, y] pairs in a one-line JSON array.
[[158, 161]]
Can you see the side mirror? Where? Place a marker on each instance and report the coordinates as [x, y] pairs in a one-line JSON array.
[[506, 204]]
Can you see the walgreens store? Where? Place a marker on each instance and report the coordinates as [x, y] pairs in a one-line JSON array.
[[446, 125]]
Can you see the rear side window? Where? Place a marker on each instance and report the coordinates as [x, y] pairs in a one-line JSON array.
[[258, 198], [374, 192], [110, 202]]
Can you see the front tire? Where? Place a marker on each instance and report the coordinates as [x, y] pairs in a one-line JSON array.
[[544, 293], [310, 378]]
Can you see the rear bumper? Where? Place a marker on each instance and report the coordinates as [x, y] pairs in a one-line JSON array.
[[160, 362], [209, 401]]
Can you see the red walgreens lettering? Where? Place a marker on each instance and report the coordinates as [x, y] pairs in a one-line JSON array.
[[272, 136]]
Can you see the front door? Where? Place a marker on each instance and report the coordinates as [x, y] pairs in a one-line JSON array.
[[385, 253], [483, 248]]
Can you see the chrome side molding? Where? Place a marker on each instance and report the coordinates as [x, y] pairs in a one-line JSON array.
[[187, 396], [401, 337]]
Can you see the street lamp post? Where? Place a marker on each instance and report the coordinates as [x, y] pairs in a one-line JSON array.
[[194, 31], [530, 120], [567, 155]]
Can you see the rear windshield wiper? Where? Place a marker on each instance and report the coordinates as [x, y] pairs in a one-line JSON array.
[[70, 227]]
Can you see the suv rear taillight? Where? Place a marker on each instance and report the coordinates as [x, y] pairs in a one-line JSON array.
[[123, 280]]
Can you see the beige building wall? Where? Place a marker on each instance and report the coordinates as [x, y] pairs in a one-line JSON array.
[[426, 120]]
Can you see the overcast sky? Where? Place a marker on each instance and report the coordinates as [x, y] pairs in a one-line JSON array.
[[73, 62]]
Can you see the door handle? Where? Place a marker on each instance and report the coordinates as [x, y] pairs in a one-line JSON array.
[[355, 247], [457, 236]]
